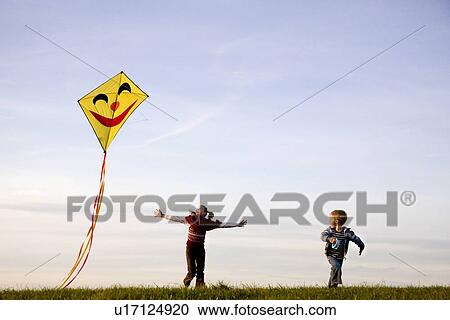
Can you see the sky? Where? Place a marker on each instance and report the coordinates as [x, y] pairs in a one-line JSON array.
[[225, 70]]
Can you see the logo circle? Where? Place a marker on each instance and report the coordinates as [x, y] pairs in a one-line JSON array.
[[408, 198]]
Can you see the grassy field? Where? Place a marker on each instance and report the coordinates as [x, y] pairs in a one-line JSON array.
[[221, 291]]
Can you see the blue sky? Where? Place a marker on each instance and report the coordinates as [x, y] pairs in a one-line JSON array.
[[225, 69]]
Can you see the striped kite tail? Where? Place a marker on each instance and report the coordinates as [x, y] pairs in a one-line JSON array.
[[86, 246]]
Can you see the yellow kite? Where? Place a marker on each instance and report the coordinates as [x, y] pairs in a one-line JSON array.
[[110, 105], [107, 108]]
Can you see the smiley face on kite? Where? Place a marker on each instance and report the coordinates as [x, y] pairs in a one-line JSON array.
[[108, 106]]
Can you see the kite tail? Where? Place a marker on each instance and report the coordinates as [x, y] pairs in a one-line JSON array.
[[86, 246]]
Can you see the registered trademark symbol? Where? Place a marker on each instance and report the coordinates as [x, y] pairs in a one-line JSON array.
[[408, 198]]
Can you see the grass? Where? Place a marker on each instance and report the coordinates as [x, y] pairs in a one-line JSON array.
[[222, 291]]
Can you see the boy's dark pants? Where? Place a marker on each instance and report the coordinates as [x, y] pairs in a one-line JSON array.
[[195, 258], [336, 271]]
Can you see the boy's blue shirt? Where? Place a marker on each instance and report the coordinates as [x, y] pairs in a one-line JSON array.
[[348, 234]]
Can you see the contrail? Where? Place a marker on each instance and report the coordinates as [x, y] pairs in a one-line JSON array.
[[42, 264], [407, 264], [92, 67], [348, 73]]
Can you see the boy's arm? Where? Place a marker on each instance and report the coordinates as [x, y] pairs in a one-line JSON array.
[[357, 240], [158, 213], [325, 235]]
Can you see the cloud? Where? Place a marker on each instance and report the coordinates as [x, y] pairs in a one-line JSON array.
[[41, 207], [184, 128]]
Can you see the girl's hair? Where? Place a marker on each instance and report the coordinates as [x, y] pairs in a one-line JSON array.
[[340, 215], [210, 214]]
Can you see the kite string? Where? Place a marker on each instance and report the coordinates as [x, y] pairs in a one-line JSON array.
[[86, 246]]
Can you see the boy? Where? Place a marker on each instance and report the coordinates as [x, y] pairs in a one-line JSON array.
[[337, 238], [199, 224]]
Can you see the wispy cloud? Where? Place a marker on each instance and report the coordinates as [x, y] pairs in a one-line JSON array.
[[179, 130], [41, 207]]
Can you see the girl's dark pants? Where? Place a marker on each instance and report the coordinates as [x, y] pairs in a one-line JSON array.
[[336, 271], [195, 258]]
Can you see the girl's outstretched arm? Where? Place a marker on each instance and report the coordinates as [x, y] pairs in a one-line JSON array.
[[158, 213], [233, 225]]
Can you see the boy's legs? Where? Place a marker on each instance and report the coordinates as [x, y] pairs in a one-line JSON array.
[[190, 259], [336, 272], [200, 267]]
